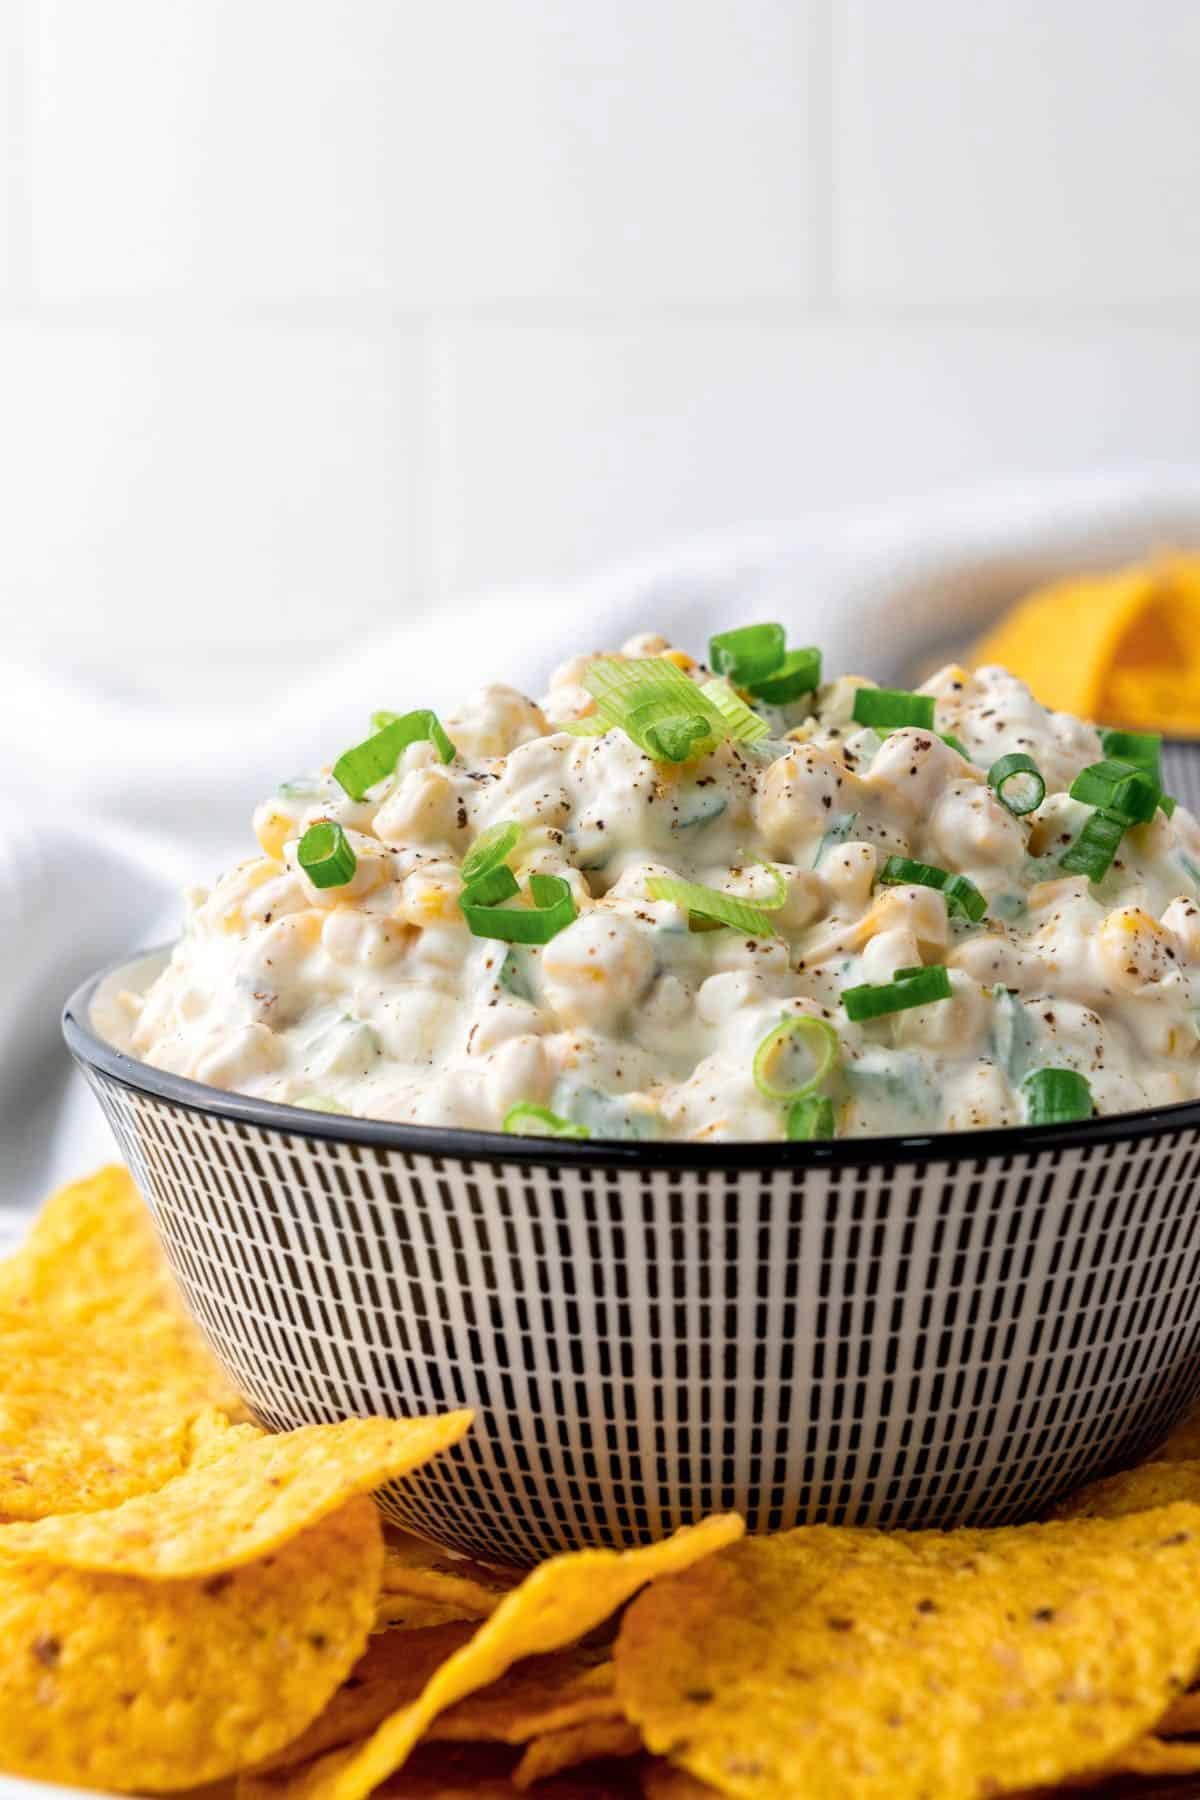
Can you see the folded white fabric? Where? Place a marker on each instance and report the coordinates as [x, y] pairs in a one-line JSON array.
[[110, 815]]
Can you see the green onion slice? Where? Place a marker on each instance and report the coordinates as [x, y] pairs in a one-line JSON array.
[[591, 725], [321, 1103], [1141, 748], [493, 846], [962, 896], [948, 737], [1031, 784], [908, 987], [1144, 750], [819, 1039], [494, 886], [1120, 788], [526, 1119], [809, 1119], [1056, 1096], [553, 907], [326, 856], [748, 654], [1093, 850], [890, 709], [656, 705], [373, 760], [798, 674], [744, 724], [711, 903]]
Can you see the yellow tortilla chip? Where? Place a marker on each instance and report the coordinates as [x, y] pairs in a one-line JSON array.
[[244, 1495], [557, 1604], [411, 1566], [1183, 1445], [541, 1694], [483, 1772], [408, 1612], [1150, 1756], [1122, 648], [390, 1673], [101, 1373], [114, 1682], [663, 1781], [596, 1740], [878, 1666], [1182, 1717], [1135, 1491]]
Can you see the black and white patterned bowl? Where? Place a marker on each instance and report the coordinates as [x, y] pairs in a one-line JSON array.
[[900, 1331]]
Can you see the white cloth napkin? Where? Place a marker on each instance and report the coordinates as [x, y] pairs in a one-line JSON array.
[[111, 807]]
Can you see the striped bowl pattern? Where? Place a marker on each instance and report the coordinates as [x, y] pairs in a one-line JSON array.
[[893, 1332]]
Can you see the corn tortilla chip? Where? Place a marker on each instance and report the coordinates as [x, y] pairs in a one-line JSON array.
[[834, 1663], [244, 1495], [483, 1772], [425, 1571], [541, 1694], [114, 1682], [1135, 1491], [408, 1612], [556, 1604], [1182, 1716], [101, 1373], [595, 1740], [663, 1781]]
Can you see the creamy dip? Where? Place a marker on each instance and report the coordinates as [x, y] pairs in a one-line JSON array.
[[645, 1018]]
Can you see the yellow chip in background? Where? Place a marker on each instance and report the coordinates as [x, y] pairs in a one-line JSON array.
[[557, 1604], [871, 1666], [101, 1372], [1136, 1490], [244, 1494], [409, 1612], [426, 1571], [594, 1740], [110, 1681], [663, 1781]]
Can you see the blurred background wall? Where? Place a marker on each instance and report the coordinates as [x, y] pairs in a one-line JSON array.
[[317, 313]]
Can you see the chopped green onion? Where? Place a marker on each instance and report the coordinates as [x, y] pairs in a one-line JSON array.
[[373, 760], [1120, 788], [908, 987], [962, 896], [326, 856], [948, 737], [656, 705], [819, 1039], [748, 654], [591, 725], [798, 674], [493, 886], [891, 709], [809, 1119], [745, 726], [1144, 750], [1141, 748], [1056, 1096], [321, 1103], [1022, 769], [553, 908], [495, 845], [528, 1120], [1093, 850], [711, 903]]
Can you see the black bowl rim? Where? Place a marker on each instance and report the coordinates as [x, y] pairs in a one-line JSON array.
[[452, 1145]]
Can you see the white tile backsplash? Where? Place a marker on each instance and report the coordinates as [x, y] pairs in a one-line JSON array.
[[311, 308], [177, 496], [464, 152], [1017, 150], [573, 441]]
